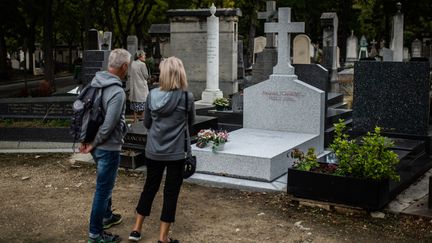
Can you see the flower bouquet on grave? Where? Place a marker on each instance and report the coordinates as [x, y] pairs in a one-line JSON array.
[[219, 140], [204, 137], [221, 104], [209, 136]]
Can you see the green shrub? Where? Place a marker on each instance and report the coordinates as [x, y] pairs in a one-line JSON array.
[[304, 162], [368, 158], [222, 102]]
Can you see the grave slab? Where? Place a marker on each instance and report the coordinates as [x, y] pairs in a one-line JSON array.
[[254, 154]]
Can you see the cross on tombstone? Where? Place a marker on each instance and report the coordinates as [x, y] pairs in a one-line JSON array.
[[269, 15], [284, 27]]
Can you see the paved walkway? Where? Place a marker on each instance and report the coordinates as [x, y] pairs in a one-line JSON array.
[[412, 201]]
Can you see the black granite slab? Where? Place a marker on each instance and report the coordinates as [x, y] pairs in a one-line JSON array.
[[137, 134], [313, 74], [93, 61], [38, 107], [392, 95]]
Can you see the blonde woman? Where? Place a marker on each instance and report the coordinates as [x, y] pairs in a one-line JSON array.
[[138, 85], [168, 128]]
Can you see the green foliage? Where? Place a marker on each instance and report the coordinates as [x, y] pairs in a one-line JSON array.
[[305, 162], [369, 158], [221, 102]]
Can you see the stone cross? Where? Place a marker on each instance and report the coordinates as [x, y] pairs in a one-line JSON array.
[[284, 27], [269, 16]]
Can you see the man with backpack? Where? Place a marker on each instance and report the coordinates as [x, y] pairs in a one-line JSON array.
[[106, 146]]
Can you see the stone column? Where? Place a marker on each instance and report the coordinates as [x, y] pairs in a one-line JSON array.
[[397, 35], [212, 90]]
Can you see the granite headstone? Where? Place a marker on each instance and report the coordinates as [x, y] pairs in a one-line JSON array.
[[392, 95]]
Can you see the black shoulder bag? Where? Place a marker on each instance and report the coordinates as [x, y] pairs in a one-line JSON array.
[[190, 161]]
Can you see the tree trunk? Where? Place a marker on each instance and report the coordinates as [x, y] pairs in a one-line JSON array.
[[48, 39], [3, 55], [70, 56]]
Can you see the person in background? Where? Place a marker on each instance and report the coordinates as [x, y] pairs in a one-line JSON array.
[[167, 138], [138, 89], [106, 146]]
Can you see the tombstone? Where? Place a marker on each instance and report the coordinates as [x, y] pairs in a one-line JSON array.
[[260, 43], [373, 52], [263, 66], [301, 49], [406, 54], [396, 43], [329, 22], [93, 61], [188, 41], [237, 102], [392, 95], [352, 48], [279, 114], [416, 48], [132, 44], [363, 52], [92, 39], [269, 15], [15, 63], [106, 41], [387, 54], [264, 62]]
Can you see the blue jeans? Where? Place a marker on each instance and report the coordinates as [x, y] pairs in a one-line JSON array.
[[107, 163]]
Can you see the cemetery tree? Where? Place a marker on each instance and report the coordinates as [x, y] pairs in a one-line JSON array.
[[48, 42], [7, 16], [68, 29], [31, 13], [128, 14]]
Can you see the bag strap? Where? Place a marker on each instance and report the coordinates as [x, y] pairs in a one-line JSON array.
[[187, 124]]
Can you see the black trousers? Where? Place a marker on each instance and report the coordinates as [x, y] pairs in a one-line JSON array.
[[173, 182]]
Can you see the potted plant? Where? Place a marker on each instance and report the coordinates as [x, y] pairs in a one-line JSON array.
[[208, 137], [221, 104], [361, 177]]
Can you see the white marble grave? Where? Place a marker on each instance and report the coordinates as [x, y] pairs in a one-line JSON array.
[[280, 114]]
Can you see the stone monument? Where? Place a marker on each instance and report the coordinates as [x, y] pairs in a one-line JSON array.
[[416, 48], [301, 49], [397, 35], [351, 52], [263, 66], [132, 44], [329, 22], [94, 59], [280, 114], [363, 52], [188, 41], [212, 90]]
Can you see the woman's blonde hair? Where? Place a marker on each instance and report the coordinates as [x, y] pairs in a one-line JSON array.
[[172, 74]]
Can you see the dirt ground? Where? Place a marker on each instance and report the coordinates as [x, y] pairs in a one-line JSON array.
[[44, 198]]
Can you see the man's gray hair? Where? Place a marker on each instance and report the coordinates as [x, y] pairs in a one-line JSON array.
[[118, 57]]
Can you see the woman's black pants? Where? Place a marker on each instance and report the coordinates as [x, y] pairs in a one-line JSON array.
[[173, 182]]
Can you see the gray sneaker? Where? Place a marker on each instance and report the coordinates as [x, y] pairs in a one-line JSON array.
[[105, 237], [114, 220]]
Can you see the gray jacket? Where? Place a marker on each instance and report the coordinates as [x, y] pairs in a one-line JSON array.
[[111, 132], [165, 120]]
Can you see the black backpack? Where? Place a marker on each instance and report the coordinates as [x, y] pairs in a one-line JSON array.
[[88, 114]]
